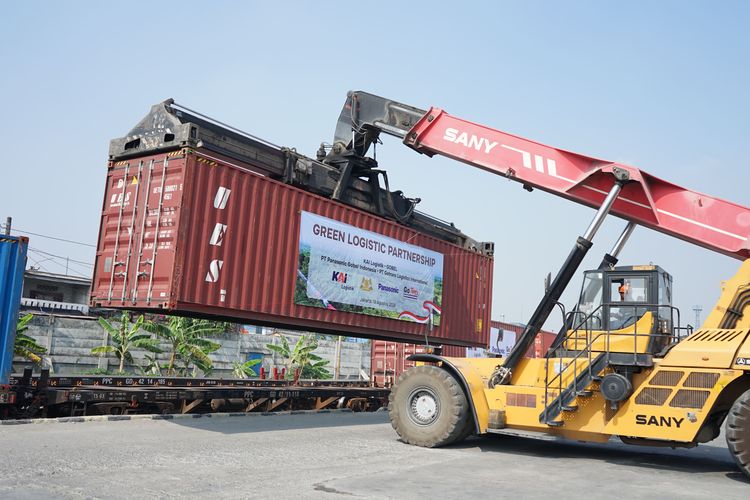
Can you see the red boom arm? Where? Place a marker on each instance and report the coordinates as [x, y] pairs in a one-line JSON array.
[[710, 222]]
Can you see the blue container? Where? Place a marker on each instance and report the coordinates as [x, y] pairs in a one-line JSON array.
[[12, 264], [256, 355]]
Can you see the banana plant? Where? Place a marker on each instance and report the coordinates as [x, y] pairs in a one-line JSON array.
[[25, 346], [125, 337], [187, 342], [301, 357], [245, 370]]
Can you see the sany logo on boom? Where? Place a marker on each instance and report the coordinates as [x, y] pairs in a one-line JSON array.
[[469, 140], [485, 145]]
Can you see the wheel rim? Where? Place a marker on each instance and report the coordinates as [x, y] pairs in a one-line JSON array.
[[424, 406]]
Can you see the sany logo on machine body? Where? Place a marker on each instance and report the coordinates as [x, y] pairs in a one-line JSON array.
[[485, 145], [658, 421]]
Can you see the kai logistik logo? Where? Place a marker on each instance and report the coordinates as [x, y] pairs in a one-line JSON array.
[[366, 285], [339, 277]]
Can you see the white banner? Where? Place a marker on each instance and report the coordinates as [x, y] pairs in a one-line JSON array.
[[502, 341], [345, 268]]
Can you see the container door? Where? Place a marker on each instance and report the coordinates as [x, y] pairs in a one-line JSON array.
[[136, 253]]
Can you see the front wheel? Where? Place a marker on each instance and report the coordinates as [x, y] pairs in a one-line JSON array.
[[428, 407], [738, 432]]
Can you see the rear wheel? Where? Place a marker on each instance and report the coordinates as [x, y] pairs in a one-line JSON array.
[[428, 407], [738, 432]]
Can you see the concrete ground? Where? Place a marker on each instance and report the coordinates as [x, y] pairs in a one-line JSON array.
[[338, 455]]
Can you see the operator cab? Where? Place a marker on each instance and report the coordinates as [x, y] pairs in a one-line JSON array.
[[616, 300]]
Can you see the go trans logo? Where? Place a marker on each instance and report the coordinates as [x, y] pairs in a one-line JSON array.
[[411, 292]]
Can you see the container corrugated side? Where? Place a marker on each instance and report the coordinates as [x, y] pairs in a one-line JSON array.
[[12, 264], [168, 260], [389, 360], [541, 344]]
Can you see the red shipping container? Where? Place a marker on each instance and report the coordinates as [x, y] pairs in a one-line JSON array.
[[389, 359], [542, 342], [191, 232]]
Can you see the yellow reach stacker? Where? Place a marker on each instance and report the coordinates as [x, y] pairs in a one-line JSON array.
[[622, 365]]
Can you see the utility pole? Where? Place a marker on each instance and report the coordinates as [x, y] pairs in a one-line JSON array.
[[8, 223], [697, 308], [337, 364]]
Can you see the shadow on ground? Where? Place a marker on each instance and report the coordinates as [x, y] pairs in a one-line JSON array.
[[260, 422], [710, 458], [703, 459]]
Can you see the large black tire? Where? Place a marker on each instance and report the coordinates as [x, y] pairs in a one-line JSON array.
[[428, 407], [468, 430], [738, 432]]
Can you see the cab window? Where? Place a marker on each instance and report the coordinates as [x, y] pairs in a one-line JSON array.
[[624, 294], [591, 299], [630, 289]]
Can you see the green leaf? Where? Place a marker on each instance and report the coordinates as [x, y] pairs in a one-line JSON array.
[[103, 349], [149, 345], [107, 326], [206, 345], [138, 324], [21, 325], [158, 329], [279, 349]]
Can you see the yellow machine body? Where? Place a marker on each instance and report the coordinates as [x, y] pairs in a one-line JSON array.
[[671, 401]]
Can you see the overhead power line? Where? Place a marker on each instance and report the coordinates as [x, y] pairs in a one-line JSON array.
[[23, 231], [38, 263], [89, 264], [62, 265]]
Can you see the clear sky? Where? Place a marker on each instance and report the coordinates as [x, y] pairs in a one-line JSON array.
[[664, 86]]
